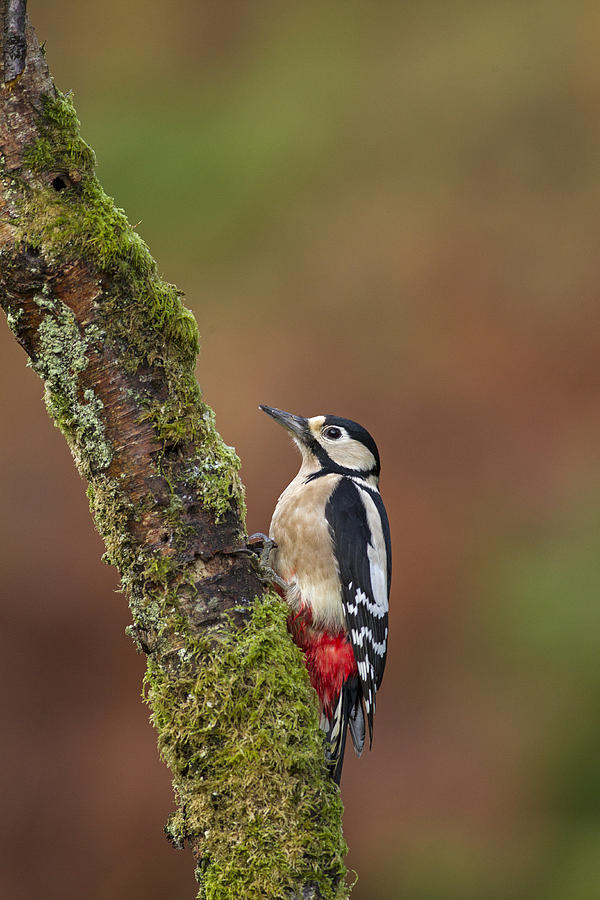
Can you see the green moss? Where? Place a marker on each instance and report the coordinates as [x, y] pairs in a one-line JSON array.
[[178, 418], [168, 315], [217, 470], [248, 760], [60, 143], [183, 419], [148, 578], [139, 312], [60, 359], [158, 569], [216, 473], [156, 608], [82, 221]]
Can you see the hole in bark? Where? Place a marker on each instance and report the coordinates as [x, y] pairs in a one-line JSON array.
[[60, 182], [171, 450], [165, 537], [34, 262]]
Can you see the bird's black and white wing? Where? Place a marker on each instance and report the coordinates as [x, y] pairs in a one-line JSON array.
[[361, 542]]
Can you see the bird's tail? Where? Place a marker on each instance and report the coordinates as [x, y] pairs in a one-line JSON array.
[[348, 714]]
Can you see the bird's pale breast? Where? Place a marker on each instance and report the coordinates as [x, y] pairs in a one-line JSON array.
[[303, 556]]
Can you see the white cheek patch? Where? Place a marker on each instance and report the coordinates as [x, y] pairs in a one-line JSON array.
[[349, 454]]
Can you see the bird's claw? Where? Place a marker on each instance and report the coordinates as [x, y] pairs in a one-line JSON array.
[[261, 545]]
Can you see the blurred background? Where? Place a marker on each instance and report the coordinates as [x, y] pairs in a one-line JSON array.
[[387, 211]]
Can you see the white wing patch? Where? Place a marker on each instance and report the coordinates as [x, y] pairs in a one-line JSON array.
[[377, 557]]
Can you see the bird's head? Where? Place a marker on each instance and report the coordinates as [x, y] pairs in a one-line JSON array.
[[330, 444]]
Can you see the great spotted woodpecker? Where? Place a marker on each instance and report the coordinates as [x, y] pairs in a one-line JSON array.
[[332, 553]]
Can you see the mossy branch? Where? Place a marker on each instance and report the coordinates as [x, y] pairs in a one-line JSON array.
[[235, 714]]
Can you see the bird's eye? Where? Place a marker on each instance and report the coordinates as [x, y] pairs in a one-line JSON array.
[[333, 433]]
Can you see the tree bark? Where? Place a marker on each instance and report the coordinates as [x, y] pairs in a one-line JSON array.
[[228, 692]]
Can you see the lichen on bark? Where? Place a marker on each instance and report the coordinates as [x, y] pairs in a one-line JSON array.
[[61, 357], [116, 348]]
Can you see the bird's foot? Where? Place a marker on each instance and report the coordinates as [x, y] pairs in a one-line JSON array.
[[261, 545]]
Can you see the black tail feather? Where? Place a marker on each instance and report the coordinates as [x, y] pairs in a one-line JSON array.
[[348, 714]]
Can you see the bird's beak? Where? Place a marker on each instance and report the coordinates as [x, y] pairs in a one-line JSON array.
[[297, 425]]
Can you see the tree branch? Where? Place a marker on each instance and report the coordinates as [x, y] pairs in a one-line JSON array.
[[228, 692], [15, 45]]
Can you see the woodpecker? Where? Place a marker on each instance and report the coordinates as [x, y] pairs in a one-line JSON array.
[[331, 552]]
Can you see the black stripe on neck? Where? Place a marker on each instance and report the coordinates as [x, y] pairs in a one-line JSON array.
[[334, 469]]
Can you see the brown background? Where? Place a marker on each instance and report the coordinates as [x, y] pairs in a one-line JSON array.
[[388, 211]]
